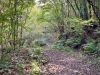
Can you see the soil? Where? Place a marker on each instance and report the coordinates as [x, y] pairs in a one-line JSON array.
[[61, 63]]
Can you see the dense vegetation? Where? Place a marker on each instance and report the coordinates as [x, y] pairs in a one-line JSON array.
[[26, 24]]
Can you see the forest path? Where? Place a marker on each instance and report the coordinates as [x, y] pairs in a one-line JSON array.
[[61, 63]]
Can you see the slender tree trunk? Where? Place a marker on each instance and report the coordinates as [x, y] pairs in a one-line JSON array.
[[15, 23], [83, 10], [90, 11], [1, 41], [21, 36]]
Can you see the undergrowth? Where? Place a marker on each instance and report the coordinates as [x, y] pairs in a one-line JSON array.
[[89, 52]]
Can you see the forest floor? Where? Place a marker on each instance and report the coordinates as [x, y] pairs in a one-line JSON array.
[[58, 63], [62, 63]]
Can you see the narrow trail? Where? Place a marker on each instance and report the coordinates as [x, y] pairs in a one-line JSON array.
[[62, 63]]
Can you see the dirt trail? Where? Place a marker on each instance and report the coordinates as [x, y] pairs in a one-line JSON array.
[[61, 63]]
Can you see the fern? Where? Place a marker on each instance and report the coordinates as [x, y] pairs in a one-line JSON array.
[[73, 42], [90, 47]]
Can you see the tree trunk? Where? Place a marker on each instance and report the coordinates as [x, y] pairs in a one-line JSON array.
[[83, 10], [61, 30]]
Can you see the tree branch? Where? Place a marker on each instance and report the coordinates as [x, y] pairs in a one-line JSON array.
[[93, 6]]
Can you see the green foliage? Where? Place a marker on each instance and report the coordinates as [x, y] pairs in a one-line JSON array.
[[5, 59], [7, 49], [13, 15], [60, 45], [37, 50], [73, 42], [75, 23], [39, 43], [90, 46], [98, 47], [88, 22]]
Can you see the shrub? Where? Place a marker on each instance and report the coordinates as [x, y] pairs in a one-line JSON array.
[[38, 42], [98, 48], [58, 45], [90, 46], [73, 42]]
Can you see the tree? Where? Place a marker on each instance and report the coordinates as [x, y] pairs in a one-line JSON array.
[[95, 7], [13, 14]]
